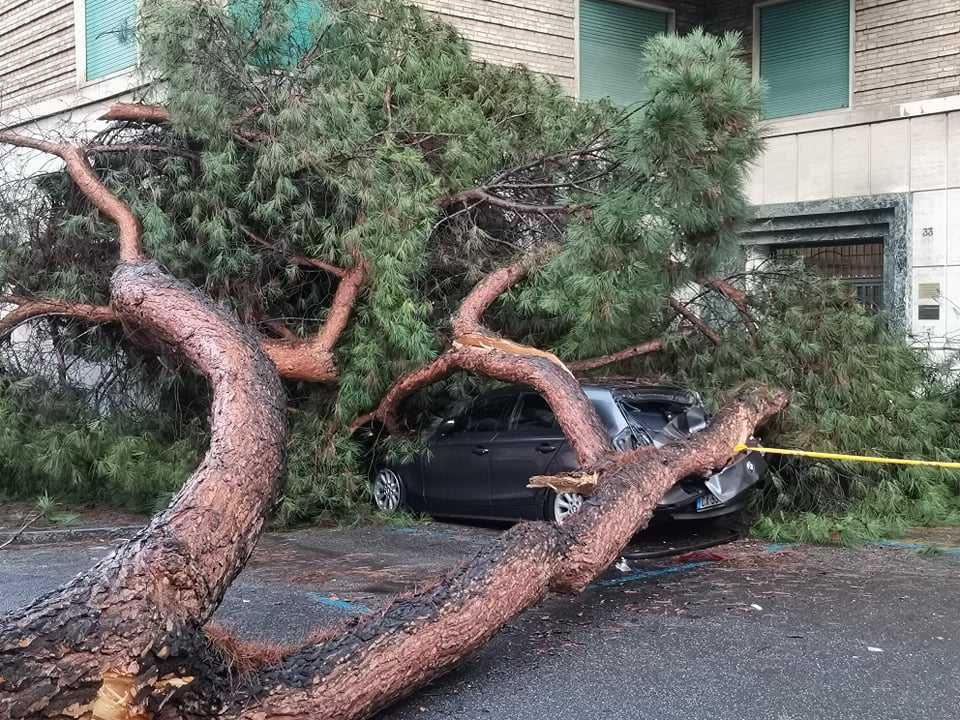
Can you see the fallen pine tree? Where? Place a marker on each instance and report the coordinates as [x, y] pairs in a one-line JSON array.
[[393, 195]]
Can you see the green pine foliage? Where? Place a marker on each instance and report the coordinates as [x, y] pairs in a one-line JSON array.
[[334, 129], [60, 451], [669, 215], [856, 388]]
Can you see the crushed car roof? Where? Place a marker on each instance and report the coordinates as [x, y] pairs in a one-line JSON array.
[[637, 389]]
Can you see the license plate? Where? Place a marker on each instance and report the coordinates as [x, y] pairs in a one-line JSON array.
[[705, 502]]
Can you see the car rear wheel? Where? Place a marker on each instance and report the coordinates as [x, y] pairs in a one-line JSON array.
[[560, 506], [388, 491]]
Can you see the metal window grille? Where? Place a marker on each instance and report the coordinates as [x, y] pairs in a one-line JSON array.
[[859, 265]]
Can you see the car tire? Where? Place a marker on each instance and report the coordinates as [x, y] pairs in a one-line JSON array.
[[388, 490], [559, 507]]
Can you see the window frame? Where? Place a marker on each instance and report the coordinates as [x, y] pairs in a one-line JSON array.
[[513, 425], [80, 48], [851, 58], [644, 4]]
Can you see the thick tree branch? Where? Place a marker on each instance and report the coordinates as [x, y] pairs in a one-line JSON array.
[[79, 169], [111, 626], [136, 112], [625, 354], [466, 321], [31, 308], [312, 360], [694, 319], [474, 348], [376, 660], [135, 606]]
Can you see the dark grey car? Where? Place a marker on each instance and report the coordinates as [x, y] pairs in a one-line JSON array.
[[478, 463]]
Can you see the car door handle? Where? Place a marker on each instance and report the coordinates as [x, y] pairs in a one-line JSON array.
[[480, 450], [546, 447]]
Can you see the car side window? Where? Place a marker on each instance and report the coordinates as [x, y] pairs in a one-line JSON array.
[[535, 414], [490, 414]]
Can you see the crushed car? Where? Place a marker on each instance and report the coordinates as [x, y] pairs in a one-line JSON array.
[[477, 464]]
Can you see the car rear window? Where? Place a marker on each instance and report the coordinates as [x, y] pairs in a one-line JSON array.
[[490, 414], [535, 414]]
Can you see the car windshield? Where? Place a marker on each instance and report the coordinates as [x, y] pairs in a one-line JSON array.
[[651, 415]]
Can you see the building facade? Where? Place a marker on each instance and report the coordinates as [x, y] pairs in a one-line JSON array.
[[861, 171]]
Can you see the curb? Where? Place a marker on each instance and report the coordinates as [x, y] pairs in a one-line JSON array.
[[53, 536]]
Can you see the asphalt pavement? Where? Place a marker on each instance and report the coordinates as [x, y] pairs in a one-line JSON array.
[[744, 630]]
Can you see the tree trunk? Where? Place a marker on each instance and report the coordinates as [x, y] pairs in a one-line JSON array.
[[374, 661], [139, 604]]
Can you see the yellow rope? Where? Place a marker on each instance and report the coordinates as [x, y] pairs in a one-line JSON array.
[[848, 458]]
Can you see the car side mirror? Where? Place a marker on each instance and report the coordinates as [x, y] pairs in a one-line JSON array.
[[448, 426]]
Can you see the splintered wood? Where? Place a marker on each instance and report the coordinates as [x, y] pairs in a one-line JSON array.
[[573, 482]]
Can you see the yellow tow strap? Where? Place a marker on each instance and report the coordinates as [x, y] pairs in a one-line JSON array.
[[847, 458]]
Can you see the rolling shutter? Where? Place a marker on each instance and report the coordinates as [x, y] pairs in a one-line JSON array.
[[302, 16], [109, 36], [805, 56], [612, 38]]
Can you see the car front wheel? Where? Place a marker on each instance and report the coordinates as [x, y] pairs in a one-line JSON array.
[[560, 506], [388, 494]]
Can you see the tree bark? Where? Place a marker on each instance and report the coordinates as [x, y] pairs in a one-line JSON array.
[[376, 660], [626, 354], [476, 349], [30, 309], [140, 604], [312, 360]]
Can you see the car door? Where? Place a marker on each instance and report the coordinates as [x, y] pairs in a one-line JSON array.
[[525, 449], [457, 470]]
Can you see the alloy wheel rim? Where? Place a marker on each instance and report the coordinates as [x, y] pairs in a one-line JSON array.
[[565, 505], [386, 490]]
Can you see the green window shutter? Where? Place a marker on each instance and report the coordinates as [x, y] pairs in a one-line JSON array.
[[302, 16], [612, 39], [805, 56], [109, 36]]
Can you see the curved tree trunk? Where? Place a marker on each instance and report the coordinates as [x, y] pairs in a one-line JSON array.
[[116, 641], [476, 349], [136, 606], [374, 661]]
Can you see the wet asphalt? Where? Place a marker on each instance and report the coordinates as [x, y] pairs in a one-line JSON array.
[[742, 631]]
